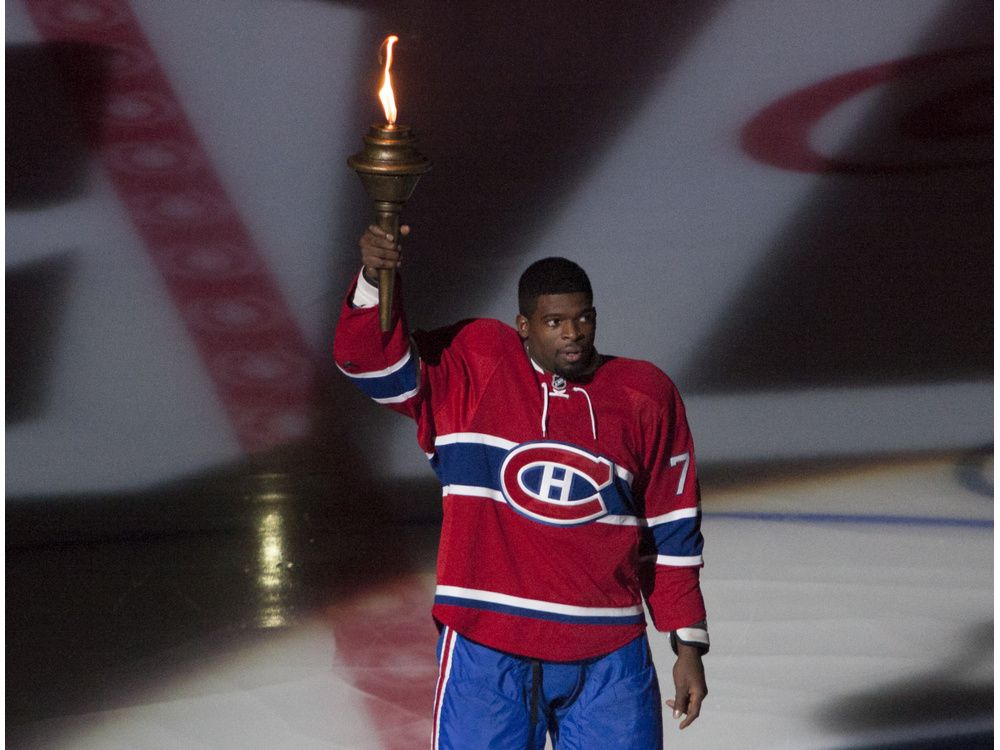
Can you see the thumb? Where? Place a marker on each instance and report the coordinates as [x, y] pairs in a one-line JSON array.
[[679, 704]]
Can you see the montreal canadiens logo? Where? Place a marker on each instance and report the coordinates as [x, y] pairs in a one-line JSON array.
[[555, 483]]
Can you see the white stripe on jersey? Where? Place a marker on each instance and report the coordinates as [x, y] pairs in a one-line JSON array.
[[475, 437], [675, 515], [537, 604], [469, 491], [398, 399], [378, 373], [624, 474], [680, 562], [485, 492], [622, 520]]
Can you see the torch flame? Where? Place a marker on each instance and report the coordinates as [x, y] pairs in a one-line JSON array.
[[385, 93]]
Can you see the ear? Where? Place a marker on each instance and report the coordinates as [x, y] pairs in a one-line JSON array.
[[521, 323]]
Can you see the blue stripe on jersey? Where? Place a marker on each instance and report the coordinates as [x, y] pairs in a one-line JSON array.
[[475, 464], [535, 614], [680, 538], [390, 386], [472, 464]]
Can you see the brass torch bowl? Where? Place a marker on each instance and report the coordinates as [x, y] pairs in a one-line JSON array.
[[389, 167]]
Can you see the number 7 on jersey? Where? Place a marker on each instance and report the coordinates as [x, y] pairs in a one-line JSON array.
[[683, 458]]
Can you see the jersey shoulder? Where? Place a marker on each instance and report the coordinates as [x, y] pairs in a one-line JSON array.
[[642, 378], [473, 336], [490, 330]]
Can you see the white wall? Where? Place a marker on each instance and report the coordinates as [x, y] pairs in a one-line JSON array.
[[672, 219]]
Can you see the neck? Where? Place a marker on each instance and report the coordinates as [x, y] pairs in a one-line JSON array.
[[594, 364]]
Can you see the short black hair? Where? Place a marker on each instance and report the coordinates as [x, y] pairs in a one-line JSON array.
[[550, 276]]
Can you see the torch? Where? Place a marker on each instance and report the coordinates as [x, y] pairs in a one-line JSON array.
[[389, 167]]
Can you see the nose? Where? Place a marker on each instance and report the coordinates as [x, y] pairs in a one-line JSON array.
[[571, 330]]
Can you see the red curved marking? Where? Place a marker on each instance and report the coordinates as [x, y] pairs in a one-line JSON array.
[[779, 134], [263, 374]]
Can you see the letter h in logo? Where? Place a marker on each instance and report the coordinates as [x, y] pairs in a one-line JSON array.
[[556, 483]]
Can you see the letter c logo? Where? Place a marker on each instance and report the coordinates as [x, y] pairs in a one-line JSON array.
[[555, 483]]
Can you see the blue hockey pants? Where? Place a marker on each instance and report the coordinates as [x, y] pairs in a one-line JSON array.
[[489, 700]]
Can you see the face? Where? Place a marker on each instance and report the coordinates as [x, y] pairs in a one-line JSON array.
[[560, 334]]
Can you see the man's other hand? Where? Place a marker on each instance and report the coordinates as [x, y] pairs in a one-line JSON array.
[[689, 684]]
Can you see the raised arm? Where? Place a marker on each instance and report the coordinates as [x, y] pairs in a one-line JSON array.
[[383, 365]]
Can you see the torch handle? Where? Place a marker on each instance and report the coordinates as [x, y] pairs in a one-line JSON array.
[[387, 218]]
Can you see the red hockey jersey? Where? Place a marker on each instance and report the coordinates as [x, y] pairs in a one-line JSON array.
[[564, 502]]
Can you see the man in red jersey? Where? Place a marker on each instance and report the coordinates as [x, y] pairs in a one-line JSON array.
[[570, 494]]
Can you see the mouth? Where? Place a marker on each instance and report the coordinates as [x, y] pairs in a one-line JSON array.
[[575, 361], [573, 355]]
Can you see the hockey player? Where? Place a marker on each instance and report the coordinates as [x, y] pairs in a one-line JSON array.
[[570, 494]]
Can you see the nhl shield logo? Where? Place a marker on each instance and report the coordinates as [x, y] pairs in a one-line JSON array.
[[556, 483]]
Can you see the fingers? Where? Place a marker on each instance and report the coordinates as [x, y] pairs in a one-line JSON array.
[[379, 249], [380, 234], [689, 685], [687, 707], [694, 710], [679, 706]]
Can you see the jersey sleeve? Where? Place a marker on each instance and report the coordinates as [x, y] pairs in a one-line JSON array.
[[672, 541], [385, 366], [410, 374]]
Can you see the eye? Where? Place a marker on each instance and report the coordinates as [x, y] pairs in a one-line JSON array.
[[552, 323]]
